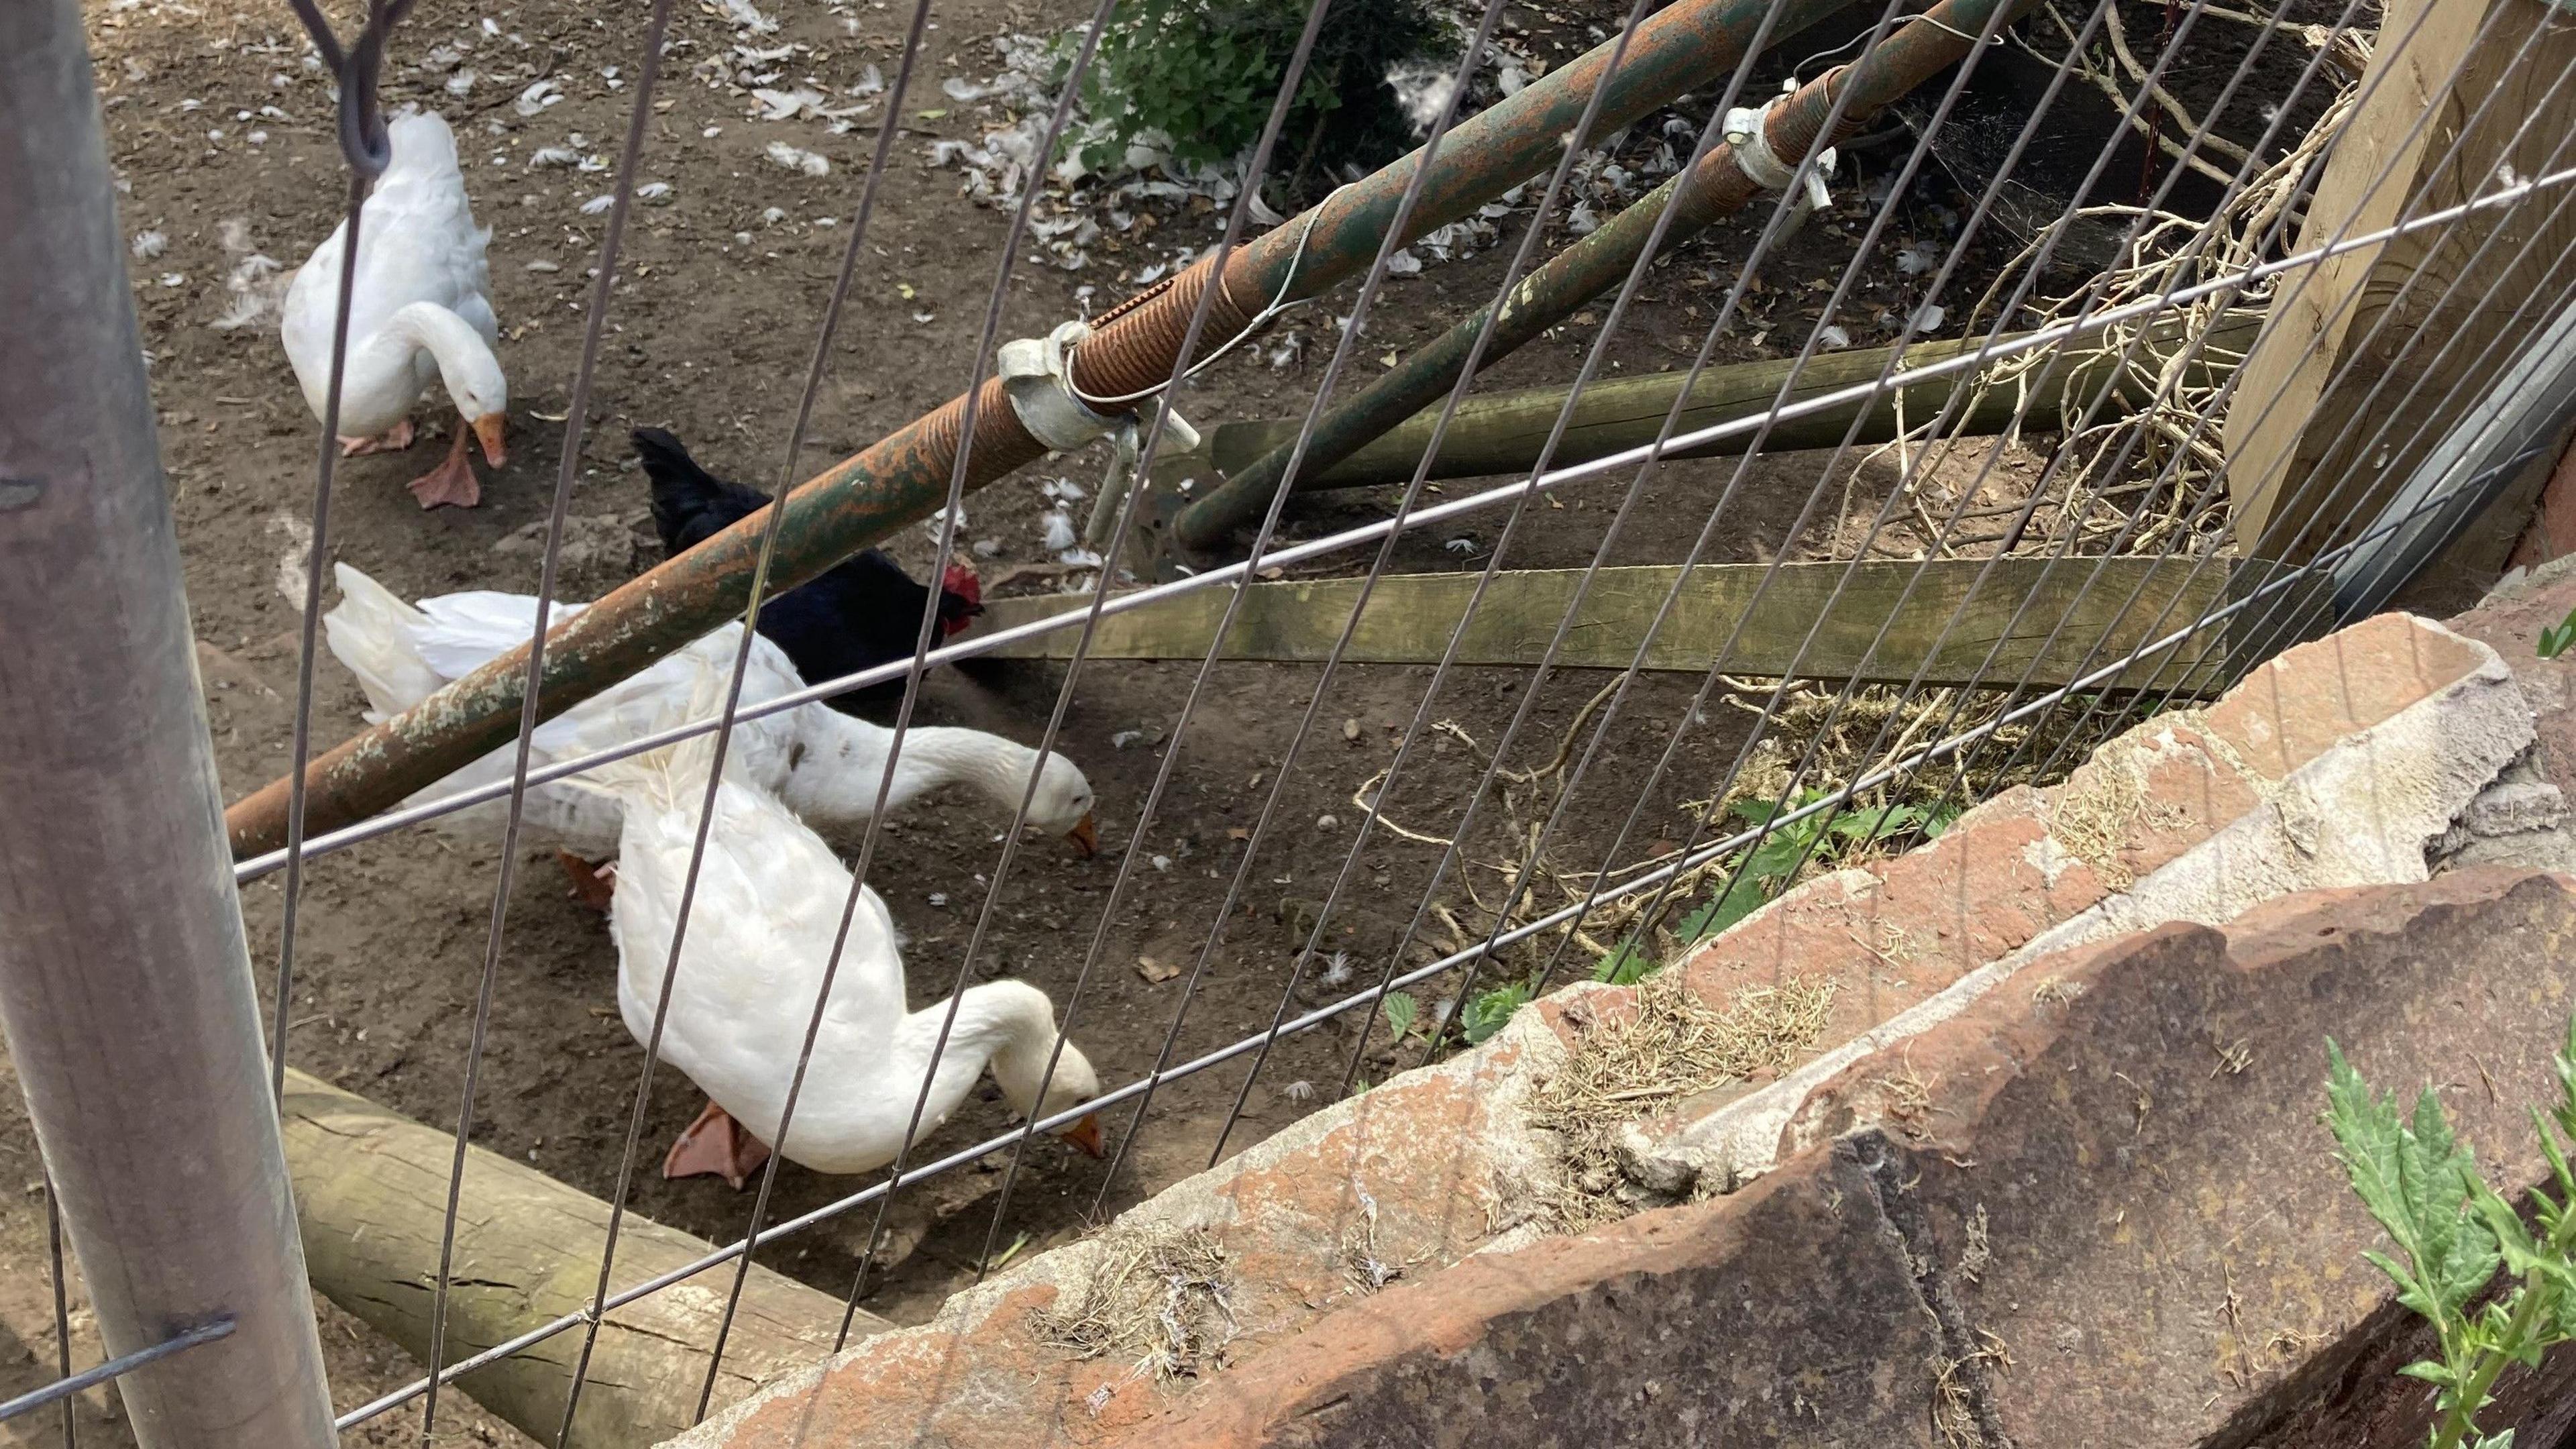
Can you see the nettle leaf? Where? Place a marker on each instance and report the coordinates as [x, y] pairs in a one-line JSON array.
[[2558, 1169], [2564, 1113], [1742, 899], [2430, 1372], [1401, 1012], [1626, 964], [2522, 1256], [1490, 1010], [2460, 1253], [1777, 856], [2417, 1180]]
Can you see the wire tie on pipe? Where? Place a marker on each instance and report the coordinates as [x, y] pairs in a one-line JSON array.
[[1037, 377], [1748, 131]]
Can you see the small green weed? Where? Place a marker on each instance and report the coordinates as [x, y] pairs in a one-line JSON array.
[[2555, 639], [1401, 1012], [1626, 965], [1487, 1013], [2454, 1231], [1823, 837]]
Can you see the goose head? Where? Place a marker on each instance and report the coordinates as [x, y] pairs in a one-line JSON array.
[[1020, 1064], [467, 367], [1062, 804]]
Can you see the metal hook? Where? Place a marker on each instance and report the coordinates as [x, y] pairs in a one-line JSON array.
[[363, 140]]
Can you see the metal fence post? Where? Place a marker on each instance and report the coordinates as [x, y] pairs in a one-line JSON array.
[[125, 981]]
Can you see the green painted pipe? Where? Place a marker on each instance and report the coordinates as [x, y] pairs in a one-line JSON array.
[[1718, 186], [1503, 432]]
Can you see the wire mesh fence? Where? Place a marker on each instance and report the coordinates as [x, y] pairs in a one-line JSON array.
[[2191, 339]]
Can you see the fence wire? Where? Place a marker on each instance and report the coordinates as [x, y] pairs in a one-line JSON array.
[[1924, 747]]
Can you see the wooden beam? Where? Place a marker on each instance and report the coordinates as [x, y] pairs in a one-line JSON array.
[[1410, 617], [2308, 470], [371, 1193]]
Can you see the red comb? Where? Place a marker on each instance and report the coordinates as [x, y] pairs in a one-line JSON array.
[[961, 581]]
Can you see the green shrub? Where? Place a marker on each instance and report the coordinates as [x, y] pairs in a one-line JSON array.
[[1199, 77]]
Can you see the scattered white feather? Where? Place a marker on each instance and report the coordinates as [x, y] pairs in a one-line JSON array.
[[150, 244], [255, 288], [1832, 337], [1403, 264], [1928, 317], [747, 16], [538, 96], [1917, 258], [776, 105], [932, 524], [545, 156], [298, 558], [598, 204], [652, 193], [1059, 531], [462, 83], [793, 158], [1422, 92]]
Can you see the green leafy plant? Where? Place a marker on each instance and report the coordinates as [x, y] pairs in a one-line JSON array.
[[2452, 1232], [1401, 1012], [1487, 1013], [2555, 639], [1824, 837], [1626, 964], [1197, 78]]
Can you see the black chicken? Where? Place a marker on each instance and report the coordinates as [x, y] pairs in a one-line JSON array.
[[860, 613]]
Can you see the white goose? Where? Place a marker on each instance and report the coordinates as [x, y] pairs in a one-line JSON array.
[[760, 930], [823, 764], [421, 309]]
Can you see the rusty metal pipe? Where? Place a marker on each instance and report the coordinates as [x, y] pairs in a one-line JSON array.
[[1718, 186], [904, 477]]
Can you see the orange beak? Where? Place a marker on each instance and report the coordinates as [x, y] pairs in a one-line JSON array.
[[488, 431], [1085, 1134], [1085, 836]]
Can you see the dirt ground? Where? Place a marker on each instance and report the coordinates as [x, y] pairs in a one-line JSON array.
[[221, 141]]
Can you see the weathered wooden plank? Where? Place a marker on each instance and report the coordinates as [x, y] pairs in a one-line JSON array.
[[2372, 352], [371, 1195], [1410, 617]]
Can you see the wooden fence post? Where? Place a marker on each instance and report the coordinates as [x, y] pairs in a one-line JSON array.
[[2307, 470]]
